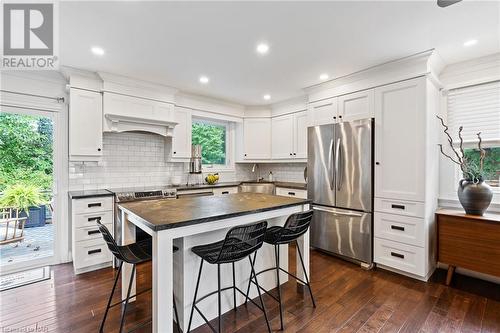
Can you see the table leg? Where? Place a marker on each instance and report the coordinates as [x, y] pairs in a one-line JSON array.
[[128, 237], [163, 261], [449, 275]]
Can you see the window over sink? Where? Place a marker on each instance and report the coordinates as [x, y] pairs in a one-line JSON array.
[[215, 138]]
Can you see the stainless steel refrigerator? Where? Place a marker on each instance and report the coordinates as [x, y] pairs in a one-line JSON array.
[[339, 173]]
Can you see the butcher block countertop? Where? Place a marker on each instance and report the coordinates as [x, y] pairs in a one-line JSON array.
[[167, 214]]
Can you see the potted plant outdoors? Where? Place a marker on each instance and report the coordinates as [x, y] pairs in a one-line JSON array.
[[27, 201], [474, 194]]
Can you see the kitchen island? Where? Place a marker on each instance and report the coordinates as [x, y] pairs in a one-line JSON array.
[[188, 222]]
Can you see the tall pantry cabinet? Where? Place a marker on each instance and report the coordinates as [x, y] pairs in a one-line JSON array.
[[406, 176]]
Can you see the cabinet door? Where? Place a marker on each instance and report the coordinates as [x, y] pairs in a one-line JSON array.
[[300, 135], [400, 140], [85, 124], [323, 112], [282, 137], [181, 140], [257, 138], [359, 105]]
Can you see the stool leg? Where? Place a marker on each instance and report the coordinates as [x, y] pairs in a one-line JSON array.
[[277, 254], [219, 299], [128, 297], [194, 298], [305, 274], [177, 317], [234, 289], [101, 329], [260, 295], [250, 280]]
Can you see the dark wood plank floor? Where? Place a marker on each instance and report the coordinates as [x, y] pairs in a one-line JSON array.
[[348, 298]]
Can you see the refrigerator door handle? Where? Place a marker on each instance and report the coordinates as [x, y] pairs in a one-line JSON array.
[[337, 149], [336, 212], [332, 182], [340, 170]]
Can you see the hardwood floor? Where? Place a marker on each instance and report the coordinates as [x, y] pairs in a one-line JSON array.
[[348, 299]]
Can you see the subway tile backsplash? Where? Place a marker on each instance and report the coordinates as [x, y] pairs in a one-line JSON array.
[[133, 159]]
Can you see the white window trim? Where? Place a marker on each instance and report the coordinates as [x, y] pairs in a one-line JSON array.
[[230, 146]]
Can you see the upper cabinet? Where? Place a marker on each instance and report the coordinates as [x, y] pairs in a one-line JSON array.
[[181, 140], [85, 125], [355, 106], [257, 138], [289, 136], [323, 112], [400, 140]]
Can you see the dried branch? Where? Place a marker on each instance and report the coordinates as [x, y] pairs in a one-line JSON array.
[[460, 129], [450, 141], [482, 152], [451, 158]]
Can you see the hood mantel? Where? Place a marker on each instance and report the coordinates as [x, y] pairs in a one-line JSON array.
[[124, 123]]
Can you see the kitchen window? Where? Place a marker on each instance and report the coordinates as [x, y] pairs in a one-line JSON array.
[[477, 109], [215, 138]]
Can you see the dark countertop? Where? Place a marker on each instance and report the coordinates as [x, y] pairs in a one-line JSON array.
[[89, 194], [167, 214]]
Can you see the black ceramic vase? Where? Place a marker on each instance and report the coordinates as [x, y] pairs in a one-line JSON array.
[[474, 197]]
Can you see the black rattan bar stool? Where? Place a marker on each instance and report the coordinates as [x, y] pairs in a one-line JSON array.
[[133, 254], [296, 225], [240, 242]]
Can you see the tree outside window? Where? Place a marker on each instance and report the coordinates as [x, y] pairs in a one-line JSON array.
[[491, 163], [212, 138]]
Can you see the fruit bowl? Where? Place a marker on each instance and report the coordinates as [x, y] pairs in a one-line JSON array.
[[212, 178]]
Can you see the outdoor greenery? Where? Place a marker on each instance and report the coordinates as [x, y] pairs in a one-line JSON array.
[[212, 138], [25, 151], [21, 197], [491, 164]]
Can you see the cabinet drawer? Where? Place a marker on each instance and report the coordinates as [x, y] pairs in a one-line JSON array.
[[404, 229], [90, 219], [404, 257], [90, 253], [400, 207], [88, 233], [92, 205], [290, 192], [225, 190]]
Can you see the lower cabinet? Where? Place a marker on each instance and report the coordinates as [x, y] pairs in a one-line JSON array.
[[225, 190], [89, 250], [403, 257], [290, 192]]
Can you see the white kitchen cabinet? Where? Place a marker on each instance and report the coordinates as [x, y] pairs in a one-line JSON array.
[[291, 193], [400, 140], [300, 134], [257, 138], [225, 190], [289, 136], [323, 112], [355, 106], [283, 137], [85, 125], [181, 140]]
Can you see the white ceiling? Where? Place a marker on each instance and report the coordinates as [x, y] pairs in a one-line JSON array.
[[173, 43]]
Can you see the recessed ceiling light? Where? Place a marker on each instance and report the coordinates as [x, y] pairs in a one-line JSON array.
[[97, 50], [204, 79], [470, 42], [262, 48], [267, 97], [323, 77]]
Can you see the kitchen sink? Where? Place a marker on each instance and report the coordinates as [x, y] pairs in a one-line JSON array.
[[257, 187]]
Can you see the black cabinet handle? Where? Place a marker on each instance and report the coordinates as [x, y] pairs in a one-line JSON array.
[[94, 251], [377, 163], [398, 207], [396, 227], [97, 218], [98, 149], [340, 117], [291, 154], [225, 192], [334, 117], [294, 154], [96, 204], [175, 152], [397, 255], [245, 154], [93, 232], [291, 193]]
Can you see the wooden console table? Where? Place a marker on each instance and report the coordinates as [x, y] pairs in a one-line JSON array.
[[468, 241]]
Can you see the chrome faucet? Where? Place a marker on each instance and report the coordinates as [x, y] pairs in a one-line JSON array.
[[256, 166]]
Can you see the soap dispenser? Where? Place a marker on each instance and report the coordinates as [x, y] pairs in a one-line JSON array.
[[270, 176]]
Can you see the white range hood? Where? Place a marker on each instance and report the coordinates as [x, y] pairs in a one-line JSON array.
[[123, 123]]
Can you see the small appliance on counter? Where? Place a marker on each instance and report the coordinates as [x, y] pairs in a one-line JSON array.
[[195, 165]]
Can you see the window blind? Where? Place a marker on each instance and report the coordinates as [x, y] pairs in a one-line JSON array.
[[477, 109]]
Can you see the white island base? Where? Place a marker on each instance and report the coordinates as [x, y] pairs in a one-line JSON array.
[[178, 271]]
